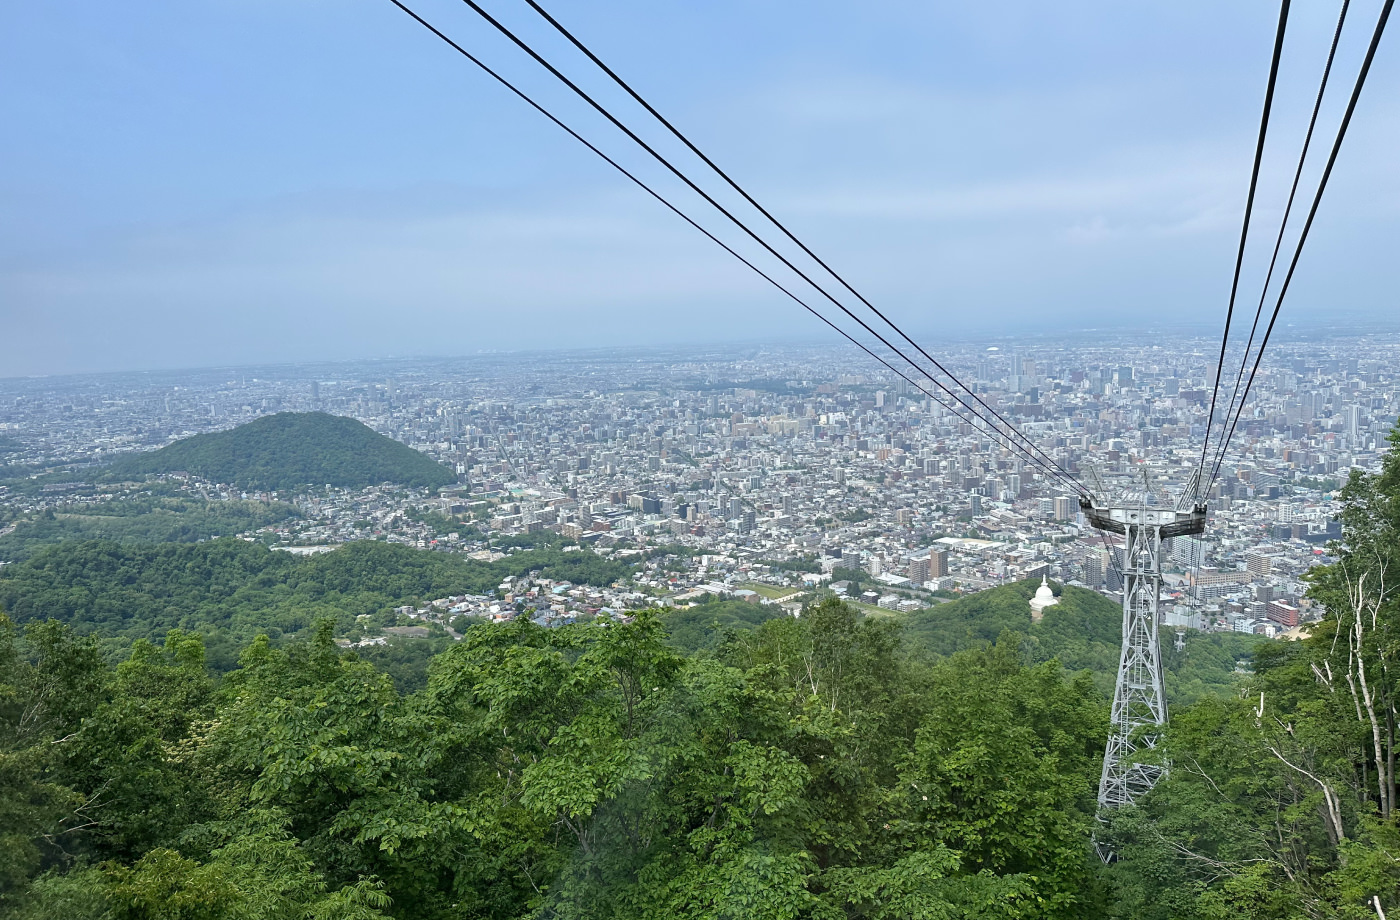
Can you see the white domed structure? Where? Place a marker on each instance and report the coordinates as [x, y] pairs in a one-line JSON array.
[[1044, 597]]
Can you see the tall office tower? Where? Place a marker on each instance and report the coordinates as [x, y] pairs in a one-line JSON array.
[[937, 563], [1065, 508], [736, 507], [1013, 485]]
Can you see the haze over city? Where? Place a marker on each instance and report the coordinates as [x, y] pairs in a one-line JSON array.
[[230, 183]]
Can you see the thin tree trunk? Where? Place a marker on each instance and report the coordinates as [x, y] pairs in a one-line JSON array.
[[1333, 813], [1383, 779]]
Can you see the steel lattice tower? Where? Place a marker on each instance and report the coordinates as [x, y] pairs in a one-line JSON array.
[[1139, 697]]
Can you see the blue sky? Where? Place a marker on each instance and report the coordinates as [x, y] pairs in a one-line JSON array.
[[235, 181]]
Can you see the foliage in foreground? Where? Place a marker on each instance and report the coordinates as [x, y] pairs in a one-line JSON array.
[[803, 770]]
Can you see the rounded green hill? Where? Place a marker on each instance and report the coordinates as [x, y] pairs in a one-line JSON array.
[[290, 450]]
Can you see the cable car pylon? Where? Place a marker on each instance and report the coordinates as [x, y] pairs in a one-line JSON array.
[[1139, 694]]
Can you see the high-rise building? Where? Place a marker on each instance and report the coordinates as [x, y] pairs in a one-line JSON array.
[[1065, 508], [1093, 568], [918, 571], [1188, 552], [937, 563]]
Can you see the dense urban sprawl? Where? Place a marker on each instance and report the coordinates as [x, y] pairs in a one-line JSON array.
[[770, 473]]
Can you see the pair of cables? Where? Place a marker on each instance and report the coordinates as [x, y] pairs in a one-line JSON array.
[[959, 398], [1231, 417]]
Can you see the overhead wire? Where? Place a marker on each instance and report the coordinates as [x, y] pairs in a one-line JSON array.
[[989, 429], [1307, 226], [632, 135], [1248, 211], [1287, 212], [626, 87]]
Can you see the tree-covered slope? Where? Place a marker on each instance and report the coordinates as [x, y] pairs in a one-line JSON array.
[[230, 590], [705, 626], [143, 519], [808, 771], [289, 450], [1084, 631]]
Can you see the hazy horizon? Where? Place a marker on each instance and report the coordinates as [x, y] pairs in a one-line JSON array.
[[239, 184], [948, 348]]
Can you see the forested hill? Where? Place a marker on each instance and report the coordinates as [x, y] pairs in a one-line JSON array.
[[1083, 631], [289, 450], [230, 590]]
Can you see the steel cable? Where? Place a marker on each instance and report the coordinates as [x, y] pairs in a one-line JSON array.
[[760, 208], [989, 429], [582, 94], [1312, 213], [1287, 211], [1248, 211]]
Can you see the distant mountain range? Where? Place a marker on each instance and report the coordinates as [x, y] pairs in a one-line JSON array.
[[290, 450]]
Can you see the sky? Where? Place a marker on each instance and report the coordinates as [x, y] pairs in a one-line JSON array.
[[188, 183]]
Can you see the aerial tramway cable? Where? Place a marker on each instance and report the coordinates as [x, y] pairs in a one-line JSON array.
[[751, 200], [1244, 229], [582, 94], [990, 429], [1307, 226], [1283, 224]]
